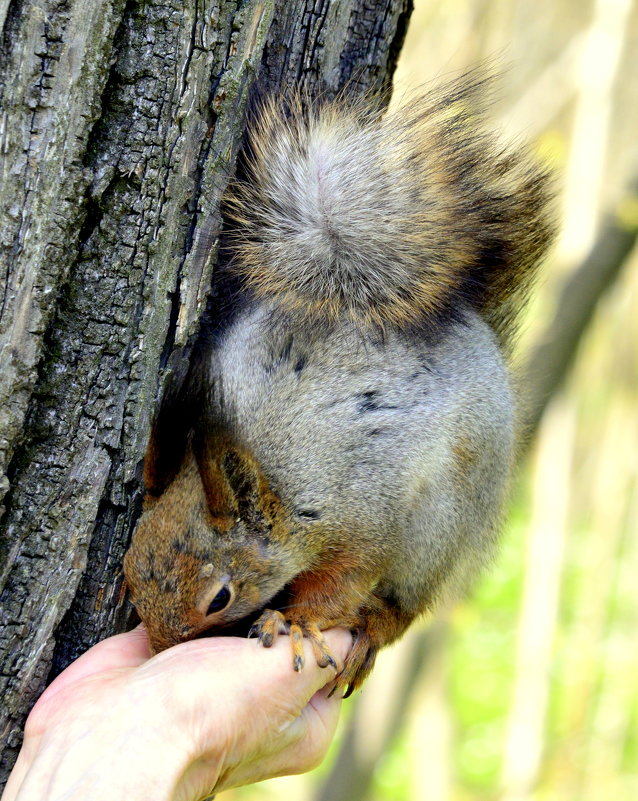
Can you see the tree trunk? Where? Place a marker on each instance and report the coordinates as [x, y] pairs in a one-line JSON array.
[[120, 123], [550, 361]]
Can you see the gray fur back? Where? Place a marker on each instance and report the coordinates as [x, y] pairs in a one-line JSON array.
[[406, 443]]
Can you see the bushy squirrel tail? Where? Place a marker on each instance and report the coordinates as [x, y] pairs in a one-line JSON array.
[[390, 220]]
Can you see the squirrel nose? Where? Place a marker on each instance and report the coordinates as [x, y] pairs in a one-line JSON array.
[[163, 636]]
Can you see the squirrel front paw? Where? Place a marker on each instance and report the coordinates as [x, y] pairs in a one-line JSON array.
[[272, 623]]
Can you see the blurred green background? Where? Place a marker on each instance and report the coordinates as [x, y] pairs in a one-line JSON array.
[[528, 689]]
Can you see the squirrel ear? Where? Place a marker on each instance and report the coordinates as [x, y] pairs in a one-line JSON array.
[[233, 483], [242, 475], [256, 503], [210, 452]]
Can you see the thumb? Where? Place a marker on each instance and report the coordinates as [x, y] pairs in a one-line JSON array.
[[292, 717]]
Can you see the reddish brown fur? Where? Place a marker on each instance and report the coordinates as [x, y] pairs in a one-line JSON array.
[[337, 596]]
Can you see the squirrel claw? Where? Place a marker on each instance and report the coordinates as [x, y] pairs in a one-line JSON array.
[[296, 638], [271, 623], [268, 626], [319, 645], [329, 660]]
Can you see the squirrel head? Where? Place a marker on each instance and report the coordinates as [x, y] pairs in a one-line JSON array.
[[211, 549]]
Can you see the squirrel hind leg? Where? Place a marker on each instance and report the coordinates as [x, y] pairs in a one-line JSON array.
[[358, 666], [381, 623]]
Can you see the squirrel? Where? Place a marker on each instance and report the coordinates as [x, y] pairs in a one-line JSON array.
[[347, 455]]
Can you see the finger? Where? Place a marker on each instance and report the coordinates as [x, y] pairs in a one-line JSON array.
[[121, 651], [17, 775], [276, 666], [236, 690], [127, 650], [340, 643], [245, 667], [310, 733]]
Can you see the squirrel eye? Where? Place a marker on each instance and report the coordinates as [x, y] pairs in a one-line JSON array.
[[219, 601]]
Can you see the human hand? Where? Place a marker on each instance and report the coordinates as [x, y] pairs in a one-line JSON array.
[[199, 718]]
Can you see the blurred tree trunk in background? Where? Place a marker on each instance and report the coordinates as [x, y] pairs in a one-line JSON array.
[[381, 713], [555, 351], [120, 123]]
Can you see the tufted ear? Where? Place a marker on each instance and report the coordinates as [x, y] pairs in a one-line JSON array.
[[244, 480], [235, 485], [210, 449]]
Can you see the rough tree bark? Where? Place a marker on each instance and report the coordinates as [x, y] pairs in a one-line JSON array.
[[120, 121]]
